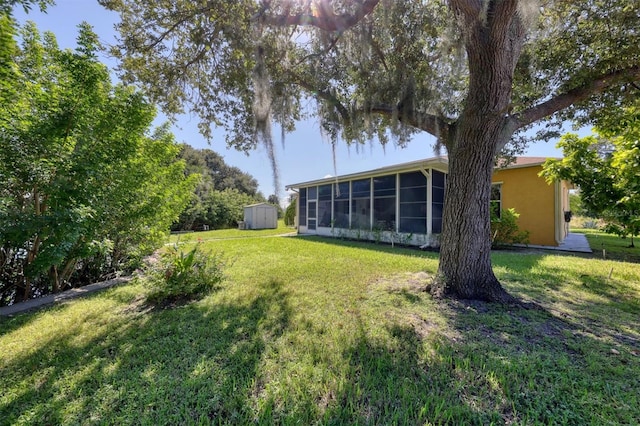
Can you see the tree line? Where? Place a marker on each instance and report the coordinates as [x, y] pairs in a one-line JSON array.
[[220, 195]]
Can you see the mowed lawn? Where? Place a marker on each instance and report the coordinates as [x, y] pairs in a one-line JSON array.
[[319, 331], [230, 233]]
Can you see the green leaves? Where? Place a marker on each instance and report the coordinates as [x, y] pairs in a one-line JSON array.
[[606, 170], [505, 229], [80, 169], [220, 195], [405, 59], [177, 274], [6, 6]]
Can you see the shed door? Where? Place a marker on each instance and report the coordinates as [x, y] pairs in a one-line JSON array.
[[262, 217]]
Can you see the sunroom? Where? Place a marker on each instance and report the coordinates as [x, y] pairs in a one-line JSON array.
[[398, 204]]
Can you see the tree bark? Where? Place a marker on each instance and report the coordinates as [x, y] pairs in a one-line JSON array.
[[493, 46], [465, 269]]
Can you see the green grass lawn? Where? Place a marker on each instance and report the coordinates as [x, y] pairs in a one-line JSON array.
[[614, 247], [320, 331], [230, 233]]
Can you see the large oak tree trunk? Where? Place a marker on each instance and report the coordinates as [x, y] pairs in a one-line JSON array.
[[465, 254], [493, 44]]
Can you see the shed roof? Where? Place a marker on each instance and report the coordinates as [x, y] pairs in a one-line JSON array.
[[260, 204]]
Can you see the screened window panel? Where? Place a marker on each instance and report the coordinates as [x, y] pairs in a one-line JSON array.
[[324, 213], [436, 210], [324, 192], [312, 210], [412, 179], [437, 195], [384, 186], [414, 226], [361, 213], [436, 225], [341, 191], [436, 218], [341, 213], [384, 202], [302, 219], [361, 188], [313, 193], [410, 195], [437, 179], [415, 210], [413, 203], [384, 213]]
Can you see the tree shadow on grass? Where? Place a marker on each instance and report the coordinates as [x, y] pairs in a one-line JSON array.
[[403, 384], [493, 365], [192, 364], [551, 369], [596, 304], [523, 275], [371, 245]]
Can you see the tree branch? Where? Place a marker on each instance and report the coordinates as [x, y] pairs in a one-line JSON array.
[[323, 18], [323, 94], [573, 96], [468, 8], [429, 123], [319, 54]]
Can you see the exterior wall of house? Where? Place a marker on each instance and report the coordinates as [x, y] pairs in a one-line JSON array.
[[533, 199], [404, 204]]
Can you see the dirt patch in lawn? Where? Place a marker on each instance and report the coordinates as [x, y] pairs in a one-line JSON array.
[[414, 282]]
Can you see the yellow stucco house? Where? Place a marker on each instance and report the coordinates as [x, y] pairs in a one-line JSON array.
[[404, 203], [542, 207]]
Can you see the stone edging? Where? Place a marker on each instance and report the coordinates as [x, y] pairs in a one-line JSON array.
[[60, 297]]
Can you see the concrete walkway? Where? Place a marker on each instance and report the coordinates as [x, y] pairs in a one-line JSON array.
[[50, 299], [576, 243]]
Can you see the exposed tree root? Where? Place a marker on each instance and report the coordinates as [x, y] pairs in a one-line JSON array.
[[491, 291]]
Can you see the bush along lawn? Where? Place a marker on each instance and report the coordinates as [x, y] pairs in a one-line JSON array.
[[321, 331]]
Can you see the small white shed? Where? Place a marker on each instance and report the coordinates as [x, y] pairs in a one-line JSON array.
[[260, 216]]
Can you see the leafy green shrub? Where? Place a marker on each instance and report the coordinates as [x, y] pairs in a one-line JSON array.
[[290, 214], [177, 275], [505, 230], [632, 230], [586, 222]]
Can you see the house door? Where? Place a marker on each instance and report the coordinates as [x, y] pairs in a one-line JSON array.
[[312, 213]]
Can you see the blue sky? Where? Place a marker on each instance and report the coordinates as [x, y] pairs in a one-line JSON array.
[[305, 155]]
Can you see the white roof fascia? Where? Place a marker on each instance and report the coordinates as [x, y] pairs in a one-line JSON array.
[[438, 163]]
